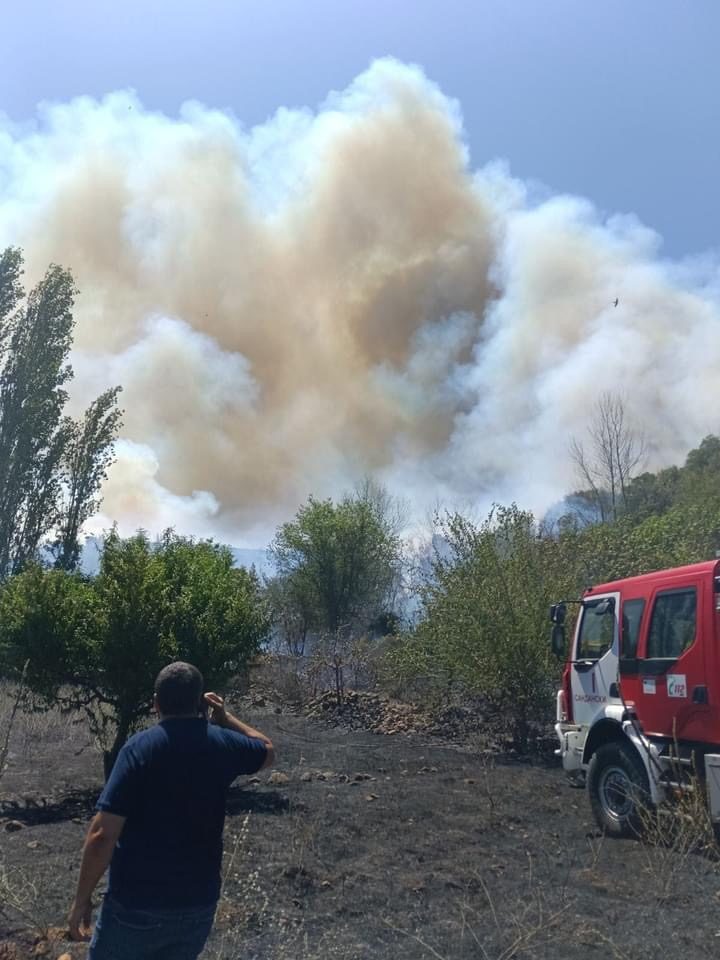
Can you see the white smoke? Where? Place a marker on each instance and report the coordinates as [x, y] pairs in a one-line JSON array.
[[338, 293]]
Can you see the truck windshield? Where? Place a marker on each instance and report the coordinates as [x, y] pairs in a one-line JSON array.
[[597, 631]]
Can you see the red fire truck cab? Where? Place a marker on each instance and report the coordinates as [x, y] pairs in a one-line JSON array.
[[639, 706]]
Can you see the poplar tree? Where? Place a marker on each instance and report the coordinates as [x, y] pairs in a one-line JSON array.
[[51, 467]]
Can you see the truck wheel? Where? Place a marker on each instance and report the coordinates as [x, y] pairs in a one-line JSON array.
[[619, 789]]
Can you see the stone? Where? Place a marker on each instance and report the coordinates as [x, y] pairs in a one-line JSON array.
[[12, 826], [306, 777], [277, 778]]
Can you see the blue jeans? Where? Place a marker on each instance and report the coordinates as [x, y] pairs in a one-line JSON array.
[[129, 934]]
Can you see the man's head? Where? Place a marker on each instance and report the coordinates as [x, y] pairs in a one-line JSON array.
[[178, 689]]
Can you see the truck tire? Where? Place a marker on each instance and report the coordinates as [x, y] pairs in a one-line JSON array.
[[619, 790]]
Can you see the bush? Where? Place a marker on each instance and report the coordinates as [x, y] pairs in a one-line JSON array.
[[483, 621], [96, 644]]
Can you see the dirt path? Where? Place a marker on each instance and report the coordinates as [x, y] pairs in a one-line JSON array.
[[360, 846]]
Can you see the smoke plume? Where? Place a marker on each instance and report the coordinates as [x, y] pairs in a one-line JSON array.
[[339, 293]]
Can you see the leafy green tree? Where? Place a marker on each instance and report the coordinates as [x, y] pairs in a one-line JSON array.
[[484, 614], [45, 458], [96, 644], [700, 477], [339, 563], [696, 482], [651, 494], [706, 457], [686, 533], [87, 454]]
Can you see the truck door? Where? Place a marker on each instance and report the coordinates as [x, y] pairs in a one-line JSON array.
[[672, 690], [593, 680]]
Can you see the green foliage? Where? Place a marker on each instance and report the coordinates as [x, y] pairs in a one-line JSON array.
[[484, 606], [337, 564], [50, 467], [484, 614], [97, 644], [651, 494], [687, 533], [86, 456], [697, 483]]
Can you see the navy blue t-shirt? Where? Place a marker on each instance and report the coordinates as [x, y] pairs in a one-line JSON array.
[[170, 783]]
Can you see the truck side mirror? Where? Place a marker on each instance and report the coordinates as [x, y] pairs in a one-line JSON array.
[[557, 641], [557, 613]]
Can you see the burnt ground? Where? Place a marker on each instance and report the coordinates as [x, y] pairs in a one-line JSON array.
[[362, 845]]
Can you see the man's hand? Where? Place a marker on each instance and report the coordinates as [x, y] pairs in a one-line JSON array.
[[80, 921], [103, 833], [218, 714]]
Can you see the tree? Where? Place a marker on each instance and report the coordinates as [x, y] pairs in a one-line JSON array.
[[40, 448], [87, 454], [96, 644], [483, 624], [340, 563], [291, 616], [651, 494], [697, 482], [615, 450], [700, 477]]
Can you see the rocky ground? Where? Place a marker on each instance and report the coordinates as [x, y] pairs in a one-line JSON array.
[[375, 836]]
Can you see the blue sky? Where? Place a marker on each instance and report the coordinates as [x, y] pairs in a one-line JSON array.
[[618, 101]]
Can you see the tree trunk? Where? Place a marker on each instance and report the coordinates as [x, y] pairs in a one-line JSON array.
[[111, 755]]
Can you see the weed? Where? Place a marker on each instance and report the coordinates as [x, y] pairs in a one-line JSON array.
[[516, 926], [679, 840], [15, 701]]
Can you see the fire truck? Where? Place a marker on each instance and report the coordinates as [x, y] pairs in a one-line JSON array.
[[638, 712]]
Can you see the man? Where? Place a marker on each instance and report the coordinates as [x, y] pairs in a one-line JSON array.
[[159, 825]]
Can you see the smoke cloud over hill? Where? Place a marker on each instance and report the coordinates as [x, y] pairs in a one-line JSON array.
[[340, 293]]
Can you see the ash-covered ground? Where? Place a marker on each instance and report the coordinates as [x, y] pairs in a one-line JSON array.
[[361, 845]]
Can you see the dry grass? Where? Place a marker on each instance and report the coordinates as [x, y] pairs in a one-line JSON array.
[[25, 726], [679, 842]]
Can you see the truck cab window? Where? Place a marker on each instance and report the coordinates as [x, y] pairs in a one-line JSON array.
[[597, 631], [672, 627], [632, 612]]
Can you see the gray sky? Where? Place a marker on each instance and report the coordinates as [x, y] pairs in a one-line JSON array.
[[618, 101]]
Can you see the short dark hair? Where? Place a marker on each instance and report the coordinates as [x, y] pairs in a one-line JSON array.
[[178, 688]]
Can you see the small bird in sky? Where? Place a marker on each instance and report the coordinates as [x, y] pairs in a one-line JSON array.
[[616, 302]]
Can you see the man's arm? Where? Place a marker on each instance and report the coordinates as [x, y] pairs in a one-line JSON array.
[[220, 715], [102, 835]]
